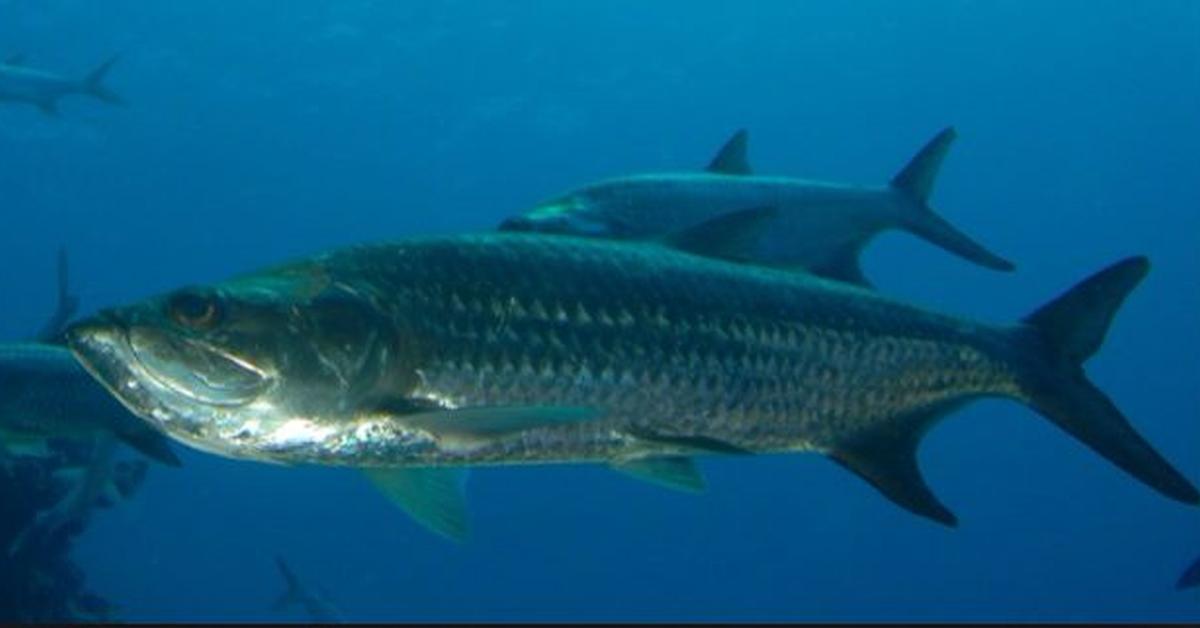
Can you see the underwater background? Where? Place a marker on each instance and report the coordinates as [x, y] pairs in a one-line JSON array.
[[260, 131]]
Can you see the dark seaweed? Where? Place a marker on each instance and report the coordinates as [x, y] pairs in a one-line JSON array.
[[40, 583]]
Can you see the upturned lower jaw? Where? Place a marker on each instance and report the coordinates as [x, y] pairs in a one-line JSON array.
[[103, 350]]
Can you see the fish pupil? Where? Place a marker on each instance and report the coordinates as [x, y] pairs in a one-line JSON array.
[[194, 310]]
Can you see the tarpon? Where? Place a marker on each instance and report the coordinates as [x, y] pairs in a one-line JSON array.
[[21, 83], [821, 227], [438, 353]]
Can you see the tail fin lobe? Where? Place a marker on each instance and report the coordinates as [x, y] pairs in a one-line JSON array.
[[1063, 334], [94, 83], [915, 184], [919, 174]]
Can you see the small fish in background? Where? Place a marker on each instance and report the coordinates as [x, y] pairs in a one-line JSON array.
[[45, 393], [21, 83], [295, 594], [819, 227], [1190, 578]]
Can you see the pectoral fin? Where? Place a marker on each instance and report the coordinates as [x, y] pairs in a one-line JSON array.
[[433, 496], [843, 265], [733, 235], [673, 472], [473, 426], [151, 443], [731, 159]]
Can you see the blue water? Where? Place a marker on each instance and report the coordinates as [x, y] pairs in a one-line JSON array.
[[259, 131]]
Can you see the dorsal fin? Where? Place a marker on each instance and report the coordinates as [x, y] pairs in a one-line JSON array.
[[886, 457], [733, 235], [64, 308], [918, 175], [731, 159]]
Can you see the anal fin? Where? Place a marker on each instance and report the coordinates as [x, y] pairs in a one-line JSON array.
[[673, 472], [433, 496], [886, 457]]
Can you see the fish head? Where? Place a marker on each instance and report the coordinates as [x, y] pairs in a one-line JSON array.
[[568, 215], [239, 368]]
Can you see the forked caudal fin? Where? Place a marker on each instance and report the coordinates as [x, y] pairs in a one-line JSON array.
[[1048, 349], [94, 83], [915, 183], [1062, 335]]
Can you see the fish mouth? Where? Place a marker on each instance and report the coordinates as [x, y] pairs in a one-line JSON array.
[[176, 384], [102, 347]]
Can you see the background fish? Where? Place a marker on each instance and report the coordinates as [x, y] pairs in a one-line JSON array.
[[820, 227], [21, 83], [45, 393], [513, 348], [316, 606]]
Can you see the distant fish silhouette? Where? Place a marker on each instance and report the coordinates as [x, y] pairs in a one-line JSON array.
[[1190, 577], [818, 227], [317, 607], [21, 83]]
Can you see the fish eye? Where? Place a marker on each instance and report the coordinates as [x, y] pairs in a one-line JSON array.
[[193, 309]]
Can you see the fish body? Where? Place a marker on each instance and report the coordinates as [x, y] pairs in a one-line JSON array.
[[820, 227], [21, 83], [516, 348]]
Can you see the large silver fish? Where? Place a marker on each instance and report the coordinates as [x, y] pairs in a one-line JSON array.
[[506, 348], [21, 83], [820, 227]]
